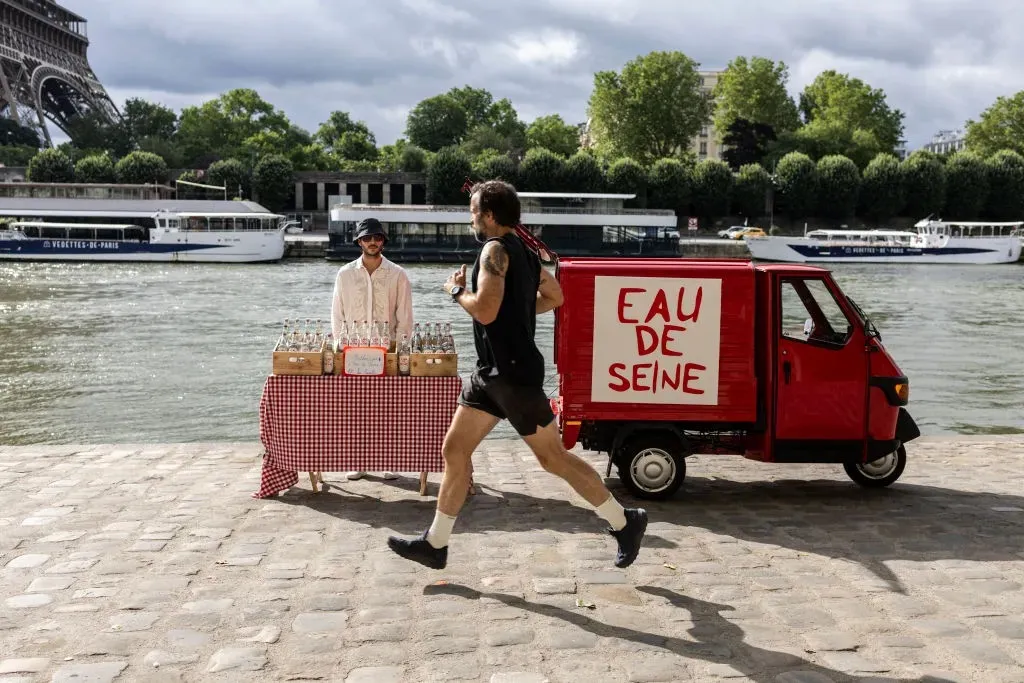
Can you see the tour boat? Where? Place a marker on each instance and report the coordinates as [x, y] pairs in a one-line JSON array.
[[926, 245], [92, 231]]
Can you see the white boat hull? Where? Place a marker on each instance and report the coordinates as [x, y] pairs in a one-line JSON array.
[[163, 246], [970, 250]]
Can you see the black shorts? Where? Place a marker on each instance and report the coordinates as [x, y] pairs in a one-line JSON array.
[[525, 407]]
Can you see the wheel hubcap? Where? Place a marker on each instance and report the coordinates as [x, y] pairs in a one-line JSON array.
[[653, 469], [881, 468]]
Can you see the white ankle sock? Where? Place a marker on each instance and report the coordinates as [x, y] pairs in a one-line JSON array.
[[612, 512], [441, 529]]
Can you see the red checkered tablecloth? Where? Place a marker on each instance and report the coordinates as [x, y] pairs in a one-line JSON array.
[[334, 423]]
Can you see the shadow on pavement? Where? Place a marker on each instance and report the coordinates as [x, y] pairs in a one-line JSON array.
[[833, 518], [715, 639]]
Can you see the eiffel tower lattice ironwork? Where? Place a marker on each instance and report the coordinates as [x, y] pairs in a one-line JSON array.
[[44, 73]]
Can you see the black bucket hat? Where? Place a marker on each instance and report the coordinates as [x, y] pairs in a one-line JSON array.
[[369, 226]]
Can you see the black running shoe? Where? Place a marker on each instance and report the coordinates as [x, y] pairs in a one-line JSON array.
[[630, 536], [419, 550]]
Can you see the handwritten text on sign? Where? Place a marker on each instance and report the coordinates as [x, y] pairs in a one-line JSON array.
[[656, 340], [364, 360]]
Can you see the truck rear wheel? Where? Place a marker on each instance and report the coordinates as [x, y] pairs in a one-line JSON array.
[[878, 473], [651, 465]]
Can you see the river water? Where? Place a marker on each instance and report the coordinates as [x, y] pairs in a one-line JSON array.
[[156, 353]]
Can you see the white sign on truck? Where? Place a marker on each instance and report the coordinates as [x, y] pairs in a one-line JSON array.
[[656, 340]]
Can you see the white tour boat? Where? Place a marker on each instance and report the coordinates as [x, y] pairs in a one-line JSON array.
[[926, 245], [140, 230]]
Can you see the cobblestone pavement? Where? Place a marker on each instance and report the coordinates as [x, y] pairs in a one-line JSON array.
[[153, 563]]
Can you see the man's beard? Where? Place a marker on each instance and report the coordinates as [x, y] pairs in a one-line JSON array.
[[479, 235]]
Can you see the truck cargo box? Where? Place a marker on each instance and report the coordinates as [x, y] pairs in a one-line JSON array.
[[657, 339]]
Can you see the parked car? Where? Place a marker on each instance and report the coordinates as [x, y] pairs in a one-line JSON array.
[[728, 232]]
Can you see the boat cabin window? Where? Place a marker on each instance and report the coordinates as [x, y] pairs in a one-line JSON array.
[[811, 314]]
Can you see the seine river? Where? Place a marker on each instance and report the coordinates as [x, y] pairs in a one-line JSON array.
[[151, 353]]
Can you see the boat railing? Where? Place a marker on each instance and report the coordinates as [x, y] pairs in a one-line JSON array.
[[567, 210]]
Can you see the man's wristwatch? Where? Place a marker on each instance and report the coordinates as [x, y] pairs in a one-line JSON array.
[[456, 291]]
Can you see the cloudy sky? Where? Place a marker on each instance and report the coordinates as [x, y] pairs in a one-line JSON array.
[[940, 61]]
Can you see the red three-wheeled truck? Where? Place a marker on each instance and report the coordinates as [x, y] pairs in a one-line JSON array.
[[662, 358]]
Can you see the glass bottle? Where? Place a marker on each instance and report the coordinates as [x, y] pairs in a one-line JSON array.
[[385, 336], [449, 339], [417, 339], [328, 355], [375, 334], [404, 356]]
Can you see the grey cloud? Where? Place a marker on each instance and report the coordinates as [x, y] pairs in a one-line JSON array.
[[940, 61]]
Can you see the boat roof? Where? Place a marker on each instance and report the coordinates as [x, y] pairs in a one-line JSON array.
[[54, 206], [859, 233], [574, 195], [931, 221]]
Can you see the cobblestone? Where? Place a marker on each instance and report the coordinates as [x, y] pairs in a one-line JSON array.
[[123, 563]]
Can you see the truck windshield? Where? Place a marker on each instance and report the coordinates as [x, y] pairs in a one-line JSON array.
[[869, 326]]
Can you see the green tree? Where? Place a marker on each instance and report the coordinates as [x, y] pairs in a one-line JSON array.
[[483, 113], [651, 110], [999, 127], [853, 105], [712, 189], [232, 174], [754, 90], [13, 134], [838, 186], [496, 166], [924, 180], [747, 143], [91, 133], [821, 138], [237, 123], [446, 175], [542, 171], [273, 181], [882, 194], [553, 133], [51, 166], [143, 119], [98, 168], [1006, 186], [966, 186], [797, 182], [140, 168], [436, 122], [346, 138], [668, 186], [583, 173], [627, 176], [750, 191]]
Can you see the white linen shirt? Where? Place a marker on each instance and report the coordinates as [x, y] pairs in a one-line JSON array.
[[361, 296]]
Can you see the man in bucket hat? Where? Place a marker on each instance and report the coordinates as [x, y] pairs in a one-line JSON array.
[[372, 288]]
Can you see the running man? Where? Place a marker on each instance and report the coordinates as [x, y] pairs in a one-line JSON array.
[[508, 288]]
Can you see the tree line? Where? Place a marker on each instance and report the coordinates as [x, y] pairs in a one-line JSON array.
[[829, 151]]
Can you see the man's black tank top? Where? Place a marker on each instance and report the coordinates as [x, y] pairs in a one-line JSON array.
[[506, 348]]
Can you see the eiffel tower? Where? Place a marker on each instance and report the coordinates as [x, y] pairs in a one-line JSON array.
[[44, 73]]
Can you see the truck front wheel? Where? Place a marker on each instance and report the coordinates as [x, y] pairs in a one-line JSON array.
[[651, 465], [878, 473]]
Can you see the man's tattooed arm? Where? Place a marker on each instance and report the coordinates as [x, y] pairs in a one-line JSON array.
[[483, 305], [494, 259]]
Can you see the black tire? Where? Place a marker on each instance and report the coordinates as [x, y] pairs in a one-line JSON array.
[[651, 465], [879, 473]]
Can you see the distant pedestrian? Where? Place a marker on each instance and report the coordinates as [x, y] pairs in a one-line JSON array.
[[507, 289]]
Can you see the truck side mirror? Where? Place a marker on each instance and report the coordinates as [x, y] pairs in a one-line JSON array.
[[808, 327]]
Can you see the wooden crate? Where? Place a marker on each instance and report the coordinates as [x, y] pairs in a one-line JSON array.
[[434, 365], [391, 364], [298, 363], [339, 362]]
